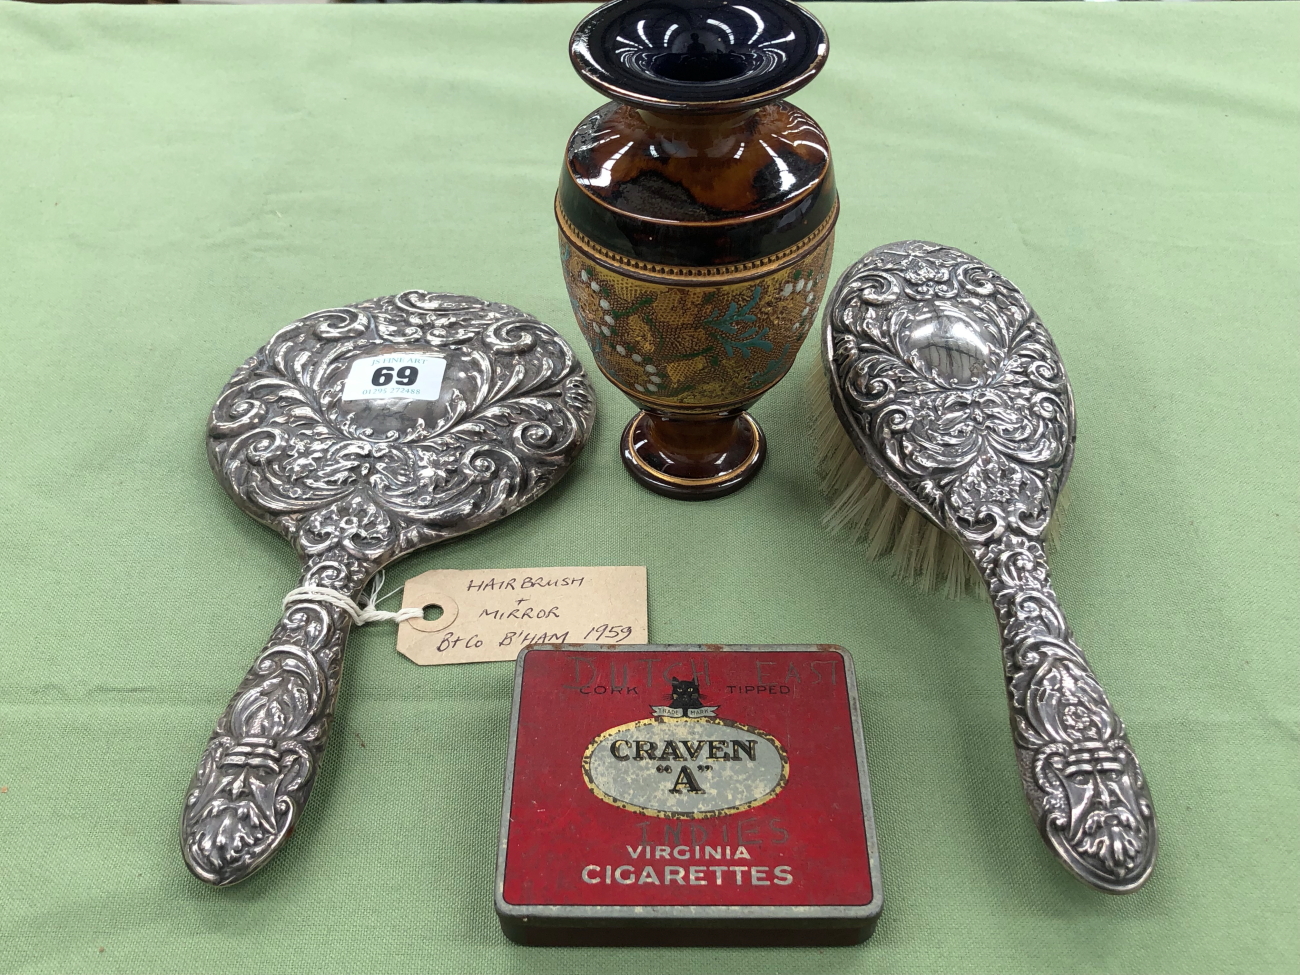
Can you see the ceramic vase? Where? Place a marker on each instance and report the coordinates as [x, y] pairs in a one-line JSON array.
[[697, 212]]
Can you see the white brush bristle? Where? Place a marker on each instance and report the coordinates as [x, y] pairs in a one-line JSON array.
[[864, 508]]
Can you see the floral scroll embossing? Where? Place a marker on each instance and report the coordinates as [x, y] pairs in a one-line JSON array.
[[353, 489], [957, 387]]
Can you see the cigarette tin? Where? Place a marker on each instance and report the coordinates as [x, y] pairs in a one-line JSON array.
[[687, 794]]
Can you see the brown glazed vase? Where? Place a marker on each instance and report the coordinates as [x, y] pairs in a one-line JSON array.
[[697, 211]]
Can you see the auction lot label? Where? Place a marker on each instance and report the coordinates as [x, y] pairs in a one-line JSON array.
[[398, 375]]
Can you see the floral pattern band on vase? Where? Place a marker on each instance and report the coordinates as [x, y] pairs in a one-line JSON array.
[[696, 214]]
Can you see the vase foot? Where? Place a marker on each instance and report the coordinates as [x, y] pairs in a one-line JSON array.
[[693, 458]]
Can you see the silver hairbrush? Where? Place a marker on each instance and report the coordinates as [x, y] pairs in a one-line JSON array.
[[954, 395]]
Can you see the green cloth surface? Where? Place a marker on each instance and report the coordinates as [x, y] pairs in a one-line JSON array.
[[178, 183]]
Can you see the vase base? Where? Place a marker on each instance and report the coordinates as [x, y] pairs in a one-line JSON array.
[[696, 458]]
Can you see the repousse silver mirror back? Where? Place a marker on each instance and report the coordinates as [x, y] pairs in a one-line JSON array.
[[954, 393], [353, 486]]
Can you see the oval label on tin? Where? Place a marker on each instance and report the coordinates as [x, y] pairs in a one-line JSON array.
[[685, 768]]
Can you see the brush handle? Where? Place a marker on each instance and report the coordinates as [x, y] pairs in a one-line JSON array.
[[260, 763], [1085, 787]]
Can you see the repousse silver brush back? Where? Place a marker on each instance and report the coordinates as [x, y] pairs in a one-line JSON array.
[[955, 395], [354, 485]]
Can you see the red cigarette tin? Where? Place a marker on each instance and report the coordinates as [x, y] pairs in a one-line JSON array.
[[687, 794]]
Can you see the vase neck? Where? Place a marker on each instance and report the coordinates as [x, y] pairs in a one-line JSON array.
[[680, 135]]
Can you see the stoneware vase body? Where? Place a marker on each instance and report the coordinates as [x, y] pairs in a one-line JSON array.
[[696, 212]]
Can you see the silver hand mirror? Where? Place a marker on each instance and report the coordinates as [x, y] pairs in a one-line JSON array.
[[361, 434], [955, 395]]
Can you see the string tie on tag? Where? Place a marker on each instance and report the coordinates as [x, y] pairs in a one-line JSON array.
[[361, 613]]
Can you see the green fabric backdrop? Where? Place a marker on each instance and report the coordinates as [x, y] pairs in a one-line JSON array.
[[178, 183]]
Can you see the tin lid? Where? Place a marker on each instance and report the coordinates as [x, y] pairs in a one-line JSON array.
[[660, 786]]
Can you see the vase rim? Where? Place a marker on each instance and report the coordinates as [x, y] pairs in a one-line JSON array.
[[698, 56]]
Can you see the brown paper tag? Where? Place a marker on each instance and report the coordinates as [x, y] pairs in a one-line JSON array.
[[492, 614]]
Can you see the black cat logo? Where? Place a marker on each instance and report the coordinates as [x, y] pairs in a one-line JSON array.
[[686, 694], [685, 703]]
